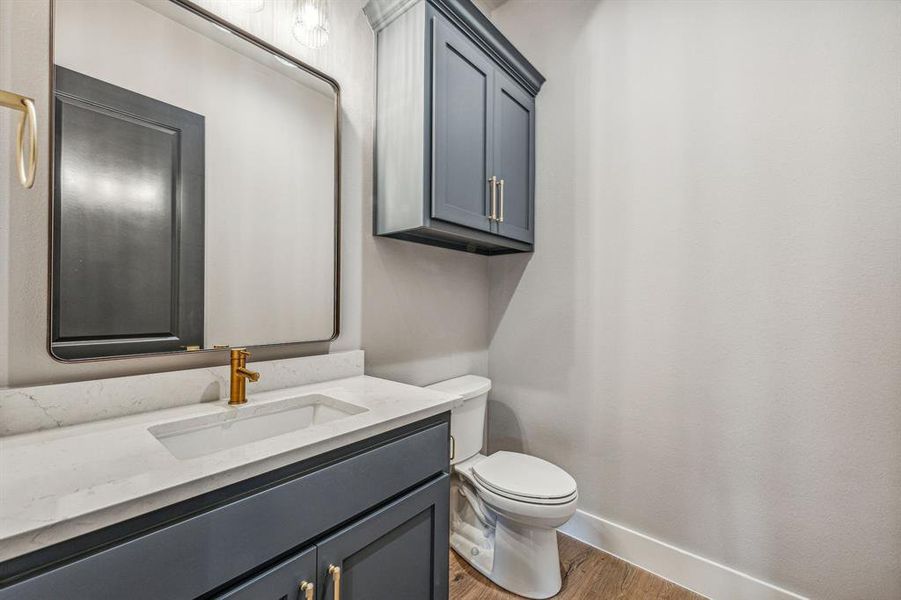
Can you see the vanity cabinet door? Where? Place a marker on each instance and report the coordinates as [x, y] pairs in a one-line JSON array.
[[461, 155], [281, 582], [398, 552], [514, 158]]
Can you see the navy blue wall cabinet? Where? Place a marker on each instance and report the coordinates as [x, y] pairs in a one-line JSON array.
[[455, 129]]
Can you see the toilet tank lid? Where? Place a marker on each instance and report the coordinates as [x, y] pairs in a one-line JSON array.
[[468, 386]]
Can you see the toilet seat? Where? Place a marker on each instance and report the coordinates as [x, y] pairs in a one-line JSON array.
[[524, 478], [526, 509]]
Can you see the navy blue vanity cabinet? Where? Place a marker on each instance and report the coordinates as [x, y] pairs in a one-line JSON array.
[[376, 509], [398, 552], [455, 129]]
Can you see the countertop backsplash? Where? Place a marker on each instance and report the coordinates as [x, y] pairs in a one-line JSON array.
[[27, 409]]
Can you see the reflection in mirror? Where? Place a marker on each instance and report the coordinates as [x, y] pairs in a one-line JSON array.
[[195, 201]]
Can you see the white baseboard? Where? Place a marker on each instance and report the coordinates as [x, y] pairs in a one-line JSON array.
[[683, 568]]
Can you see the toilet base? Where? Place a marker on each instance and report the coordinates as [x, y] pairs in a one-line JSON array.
[[526, 561], [523, 559]]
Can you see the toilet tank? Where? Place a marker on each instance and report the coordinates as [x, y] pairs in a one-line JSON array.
[[468, 420]]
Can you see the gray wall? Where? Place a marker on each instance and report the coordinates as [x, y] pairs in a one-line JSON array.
[[709, 334], [7, 131], [425, 311], [414, 296]]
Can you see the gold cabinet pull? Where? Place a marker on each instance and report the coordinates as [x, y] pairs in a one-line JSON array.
[[500, 218], [335, 572], [493, 183], [26, 107], [308, 589]]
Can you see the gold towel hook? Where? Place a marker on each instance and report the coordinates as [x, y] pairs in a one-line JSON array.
[[26, 107]]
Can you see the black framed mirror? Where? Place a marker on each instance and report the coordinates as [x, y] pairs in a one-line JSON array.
[[195, 197]]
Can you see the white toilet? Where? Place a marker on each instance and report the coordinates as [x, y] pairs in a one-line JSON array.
[[505, 507]]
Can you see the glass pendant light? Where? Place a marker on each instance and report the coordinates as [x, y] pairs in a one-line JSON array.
[[247, 6], [311, 22]]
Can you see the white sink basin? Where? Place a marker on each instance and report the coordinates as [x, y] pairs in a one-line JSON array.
[[198, 436]]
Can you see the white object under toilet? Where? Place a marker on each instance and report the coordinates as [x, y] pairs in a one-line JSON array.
[[505, 507]]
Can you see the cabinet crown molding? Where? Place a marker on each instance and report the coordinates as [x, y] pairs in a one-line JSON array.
[[470, 19]]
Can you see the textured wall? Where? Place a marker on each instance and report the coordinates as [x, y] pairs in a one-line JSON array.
[[709, 335], [425, 311], [7, 154]]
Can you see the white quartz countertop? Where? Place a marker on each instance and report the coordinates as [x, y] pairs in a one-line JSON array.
[[61, 483]]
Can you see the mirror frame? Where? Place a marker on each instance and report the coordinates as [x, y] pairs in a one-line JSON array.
[[51, 150]]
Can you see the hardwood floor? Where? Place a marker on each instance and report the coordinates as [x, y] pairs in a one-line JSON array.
[[588, 573]]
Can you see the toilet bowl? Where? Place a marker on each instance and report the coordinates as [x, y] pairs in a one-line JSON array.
[[505, 507]]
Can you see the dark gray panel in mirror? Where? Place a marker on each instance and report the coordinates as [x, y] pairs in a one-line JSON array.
[[115, 270], [128, 235]]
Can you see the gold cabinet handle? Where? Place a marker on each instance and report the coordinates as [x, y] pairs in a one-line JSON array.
[[493, 183], [308, 589], [500, 218], [335, 572], [26, 107]]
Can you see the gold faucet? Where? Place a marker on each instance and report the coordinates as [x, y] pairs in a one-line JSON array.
[[240, 375]]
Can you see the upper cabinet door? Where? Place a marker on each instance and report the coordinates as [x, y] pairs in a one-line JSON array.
[[514, 158], [462, 105], [398, 552]]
